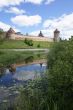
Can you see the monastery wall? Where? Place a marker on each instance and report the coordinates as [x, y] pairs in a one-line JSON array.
[[34, 38]]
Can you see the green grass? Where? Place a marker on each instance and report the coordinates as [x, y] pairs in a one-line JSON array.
[[19, 44], [43, 44], [10, 57]]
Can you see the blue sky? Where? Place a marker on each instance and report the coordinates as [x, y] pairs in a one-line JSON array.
[[31, 16]]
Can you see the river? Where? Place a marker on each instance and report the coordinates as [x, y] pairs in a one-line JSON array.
[[12, 81]]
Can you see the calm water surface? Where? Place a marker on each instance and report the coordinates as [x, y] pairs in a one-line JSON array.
[[10, 82]]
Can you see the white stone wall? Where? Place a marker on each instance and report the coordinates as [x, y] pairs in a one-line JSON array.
[[34, 38], [57, 37]]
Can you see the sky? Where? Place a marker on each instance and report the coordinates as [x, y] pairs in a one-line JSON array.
[[31, 16]]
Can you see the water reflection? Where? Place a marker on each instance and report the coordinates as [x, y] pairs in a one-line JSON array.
[[18, 74], [12, 68], [2, 71], [10, 82], [29, 59], [22, 74], [29, 72]]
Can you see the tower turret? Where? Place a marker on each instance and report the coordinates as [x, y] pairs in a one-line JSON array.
[[40, 34], [9, 33], [56, 35]]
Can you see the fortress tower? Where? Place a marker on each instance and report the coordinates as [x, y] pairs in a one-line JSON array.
[[40, 34], [56, 35], [9, 33]]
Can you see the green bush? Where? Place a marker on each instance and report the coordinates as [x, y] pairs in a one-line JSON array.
[[28, 42], [38, 46], [33, 96], [60, 65]]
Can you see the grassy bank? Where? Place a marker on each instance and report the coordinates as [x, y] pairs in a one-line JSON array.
[[19, 44], [10, 57]]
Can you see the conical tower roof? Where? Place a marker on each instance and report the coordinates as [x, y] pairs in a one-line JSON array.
[[11, 31], [56, 31], [40, 34]]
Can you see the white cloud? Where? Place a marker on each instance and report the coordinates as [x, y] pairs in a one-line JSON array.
[[34, 1], [15, 10], [49, 1], [6, 27], [63, 23], [39, 1], [46, 33], [4, 3], [24, 20], [35, 33], [16, 29]]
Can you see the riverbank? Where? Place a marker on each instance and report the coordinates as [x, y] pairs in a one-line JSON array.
[[20, 44], [11, 57]]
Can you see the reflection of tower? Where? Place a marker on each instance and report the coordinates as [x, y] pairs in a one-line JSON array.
[[56, 35], [41, 64], [41, 70]]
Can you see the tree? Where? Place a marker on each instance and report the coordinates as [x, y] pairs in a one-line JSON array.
[[28, 42], [60, 65], [71, 38], [2, 36]]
